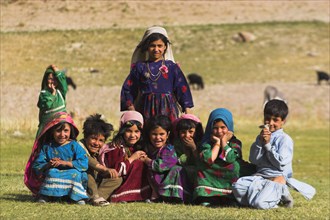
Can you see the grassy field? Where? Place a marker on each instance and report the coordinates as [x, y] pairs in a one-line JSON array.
[[280, 53], [283, 52], [310, 164]]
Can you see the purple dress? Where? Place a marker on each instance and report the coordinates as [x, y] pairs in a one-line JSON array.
[[156, 92], [167, 176]]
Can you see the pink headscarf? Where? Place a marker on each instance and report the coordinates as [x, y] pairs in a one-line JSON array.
[[131, 116], [125, 117], [32, 181], [185, 116]]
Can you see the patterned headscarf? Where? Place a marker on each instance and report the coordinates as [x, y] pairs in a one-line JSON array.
[[139, 56], [30, 179], [219, 113]]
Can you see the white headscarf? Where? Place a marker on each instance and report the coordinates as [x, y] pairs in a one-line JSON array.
[[139, 56]]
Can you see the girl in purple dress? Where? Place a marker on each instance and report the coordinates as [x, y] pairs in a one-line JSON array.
[[156, 85], [167, 178]]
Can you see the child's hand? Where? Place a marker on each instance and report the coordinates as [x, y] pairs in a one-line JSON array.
[[54, 67], [56, 162], [216, 140], [113, 173], [265, 135], [226, 137], [136, 155], [189, 143]]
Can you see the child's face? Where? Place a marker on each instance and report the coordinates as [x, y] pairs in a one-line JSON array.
[[132, 135], [51, 81], [158, 137], [219, 129], [62, 136], [187, 134], [94, 142], [275, 123], [156, 50]]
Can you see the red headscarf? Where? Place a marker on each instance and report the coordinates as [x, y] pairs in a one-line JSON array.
[[32, 181]]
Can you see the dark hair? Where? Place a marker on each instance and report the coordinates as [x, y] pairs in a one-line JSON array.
[[186, 124], [119, 137], [277, 108], [153, 37], [154, 122], [49, 136], [95, 125]]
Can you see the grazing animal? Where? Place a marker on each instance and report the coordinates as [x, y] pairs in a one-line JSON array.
[[272, 92], [195, 81], [70, 82], [321, 75]]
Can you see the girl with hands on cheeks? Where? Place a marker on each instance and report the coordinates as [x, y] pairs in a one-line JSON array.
[[219, 165]]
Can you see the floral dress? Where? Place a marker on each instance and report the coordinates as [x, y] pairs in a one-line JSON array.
[[167, 176], [215, 179], [156, 88]]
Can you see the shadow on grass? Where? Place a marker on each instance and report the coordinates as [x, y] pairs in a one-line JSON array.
[[17, 197]]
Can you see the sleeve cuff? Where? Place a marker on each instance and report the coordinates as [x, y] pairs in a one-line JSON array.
[[268, 147]]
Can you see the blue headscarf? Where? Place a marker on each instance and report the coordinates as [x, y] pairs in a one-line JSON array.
[[219, 113]]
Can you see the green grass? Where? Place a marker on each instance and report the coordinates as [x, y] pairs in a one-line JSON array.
[[279, 53], [310, 164]]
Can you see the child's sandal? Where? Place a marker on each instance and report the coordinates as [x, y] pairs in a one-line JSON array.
[[100, 202]]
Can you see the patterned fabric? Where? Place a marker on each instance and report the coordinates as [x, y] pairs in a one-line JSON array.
[[63, 181], [156, 93], [48, 103], [215, 178], [135, 186], [31, 180], [167, 176]]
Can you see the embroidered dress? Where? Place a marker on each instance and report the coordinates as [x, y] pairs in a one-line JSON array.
[[215, 178], [31, 179], [167, 176], [156, 92], [135, 186], [48, 103], [63, 181]]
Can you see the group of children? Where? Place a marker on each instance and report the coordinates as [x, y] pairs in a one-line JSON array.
[[158, 155]]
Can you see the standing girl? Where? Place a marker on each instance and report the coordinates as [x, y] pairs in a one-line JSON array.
[[123, 155], [52, 95], [58, 164], [167, 177], [155, 84], [219, 166]]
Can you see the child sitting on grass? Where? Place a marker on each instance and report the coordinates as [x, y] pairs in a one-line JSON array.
[[57, 167], [167, 178], [102, 181], [272, 153]]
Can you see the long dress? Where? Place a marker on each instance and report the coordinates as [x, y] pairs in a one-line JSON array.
[[135, 186], [154, 92], [168, 177], [48, 103], [215, 179], [63, 181]]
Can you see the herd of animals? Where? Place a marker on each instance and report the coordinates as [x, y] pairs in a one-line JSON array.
[[196, 82]]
